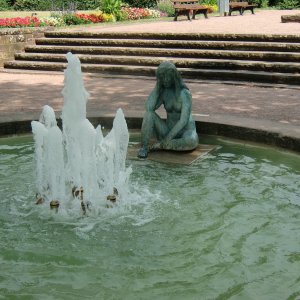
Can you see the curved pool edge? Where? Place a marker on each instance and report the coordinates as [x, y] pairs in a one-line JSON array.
[[253, 130]]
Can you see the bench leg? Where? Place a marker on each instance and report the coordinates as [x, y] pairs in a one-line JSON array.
[[241, 11], [202, 12], [188, 15], [252, 10], [176, 15]]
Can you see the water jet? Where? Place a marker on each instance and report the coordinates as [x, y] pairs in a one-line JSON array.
[[79, 156]]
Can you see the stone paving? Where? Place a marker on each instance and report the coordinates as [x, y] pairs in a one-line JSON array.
[[273, 108], [262, 22]]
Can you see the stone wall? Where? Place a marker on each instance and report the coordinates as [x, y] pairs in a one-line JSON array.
[[290, 18], [14, 40]]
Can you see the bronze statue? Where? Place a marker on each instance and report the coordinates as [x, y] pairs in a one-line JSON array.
[[178, 131]]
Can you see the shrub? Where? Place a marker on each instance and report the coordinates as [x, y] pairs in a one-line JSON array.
[[288, 4], [32, 5], [11, 2], [88, 4], [4, 5], [260, 3], [166, 6], [141, 3], [111, 6], [212, 8], [210, 2]]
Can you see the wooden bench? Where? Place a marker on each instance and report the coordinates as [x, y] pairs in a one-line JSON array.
[[185, 7], [241, 7]]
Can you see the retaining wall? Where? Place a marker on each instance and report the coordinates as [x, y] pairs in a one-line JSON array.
[[14, 40]]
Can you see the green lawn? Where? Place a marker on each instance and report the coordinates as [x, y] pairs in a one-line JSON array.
[[14, 14]]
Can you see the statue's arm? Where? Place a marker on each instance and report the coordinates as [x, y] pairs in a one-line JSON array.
[[186, 109], [153, 102]]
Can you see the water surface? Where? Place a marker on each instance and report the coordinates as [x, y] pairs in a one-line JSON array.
[[226, 227]]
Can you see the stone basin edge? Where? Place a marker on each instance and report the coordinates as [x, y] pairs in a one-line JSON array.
[[268, 133]]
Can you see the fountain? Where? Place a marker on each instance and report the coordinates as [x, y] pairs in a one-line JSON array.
[[79, 162], [224, 227]]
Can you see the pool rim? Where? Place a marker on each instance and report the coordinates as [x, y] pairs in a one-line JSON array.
[[253, 131]]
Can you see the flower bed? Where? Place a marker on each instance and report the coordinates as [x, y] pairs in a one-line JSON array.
[[21, 22], [133, 13], [128, 13]]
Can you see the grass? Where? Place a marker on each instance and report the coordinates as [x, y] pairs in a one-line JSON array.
[[22, 14]]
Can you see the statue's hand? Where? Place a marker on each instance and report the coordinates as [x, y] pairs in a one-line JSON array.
[[160, 145], [155, 146], [164, 143]]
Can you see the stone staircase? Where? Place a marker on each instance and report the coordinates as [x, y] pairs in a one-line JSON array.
[[234, 57]]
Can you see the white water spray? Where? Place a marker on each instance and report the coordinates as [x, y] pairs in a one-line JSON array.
[[79, 156]]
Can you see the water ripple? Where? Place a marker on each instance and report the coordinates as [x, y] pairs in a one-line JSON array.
[[226, 227]]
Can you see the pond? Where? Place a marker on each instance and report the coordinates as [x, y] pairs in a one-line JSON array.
[[225, 227]]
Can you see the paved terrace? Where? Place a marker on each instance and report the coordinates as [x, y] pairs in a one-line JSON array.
[[267, 107]]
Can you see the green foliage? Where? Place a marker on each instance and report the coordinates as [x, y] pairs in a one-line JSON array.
[[260, 3], [4, 5], [209, 2], [166, 6], [141, 3], [212, 4], [10, 2], [87, 4], [113, 7], [53, 4], [288, 4], [32, 5]]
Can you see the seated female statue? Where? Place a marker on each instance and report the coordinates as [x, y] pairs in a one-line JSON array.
[[178, 131]]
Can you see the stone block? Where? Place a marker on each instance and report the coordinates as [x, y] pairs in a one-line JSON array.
[[174, 157], [290, 18]]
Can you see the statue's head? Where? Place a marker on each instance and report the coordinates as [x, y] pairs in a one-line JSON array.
[[168, 76]]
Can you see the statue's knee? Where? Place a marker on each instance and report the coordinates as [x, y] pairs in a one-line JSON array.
[[194, 141]]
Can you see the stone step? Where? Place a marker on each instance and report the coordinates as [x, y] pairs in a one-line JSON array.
[[239, 57], [228, 64], [170, 44], [238, 75], [157, 52], [177, 36]]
